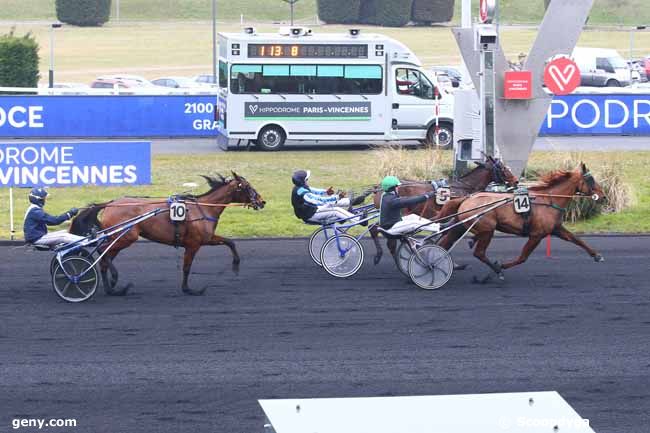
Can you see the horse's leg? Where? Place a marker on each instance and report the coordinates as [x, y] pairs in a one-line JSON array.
[[220, 240], [483, 240], [448, 240], [190, 252], [392, 245], [109, 284], [562, 233], [374, 234], [526, 251]]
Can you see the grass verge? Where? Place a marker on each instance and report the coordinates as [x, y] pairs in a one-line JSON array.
[[270, 173]]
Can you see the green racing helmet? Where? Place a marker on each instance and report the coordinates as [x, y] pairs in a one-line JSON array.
[[389, 182]]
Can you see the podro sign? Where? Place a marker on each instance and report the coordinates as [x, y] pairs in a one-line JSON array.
[[75, 164]]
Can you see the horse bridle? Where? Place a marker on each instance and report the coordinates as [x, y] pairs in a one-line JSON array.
[[590, 181], [252, 194]]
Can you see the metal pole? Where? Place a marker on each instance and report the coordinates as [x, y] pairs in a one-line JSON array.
[[51, 72], [466, 14], [292, 3], [11, 214], [631, 44], [214, 41], [117, 10]]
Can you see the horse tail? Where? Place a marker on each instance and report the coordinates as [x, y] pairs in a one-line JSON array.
[[87, 220]]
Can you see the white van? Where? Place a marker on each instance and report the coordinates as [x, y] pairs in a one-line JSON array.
[[296, 85], [600, 67]]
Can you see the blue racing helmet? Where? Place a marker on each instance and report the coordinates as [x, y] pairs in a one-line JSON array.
[[37, 196], [300, 177]]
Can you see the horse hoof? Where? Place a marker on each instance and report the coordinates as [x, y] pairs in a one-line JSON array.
[[460, 267], [191, 292], [470, 244], [598, 258], [120, 292], [376, 259], [501, 276]]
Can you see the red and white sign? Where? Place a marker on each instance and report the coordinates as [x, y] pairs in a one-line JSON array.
[[518, 85], [486, 11], [562, 76]]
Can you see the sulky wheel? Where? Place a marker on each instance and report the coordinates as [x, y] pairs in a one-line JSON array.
[[80, 282], [316, 242], [342, 256], [402, 256], [430, 267], [80, 252]]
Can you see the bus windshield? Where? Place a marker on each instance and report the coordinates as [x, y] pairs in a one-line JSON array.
[[306, 79]]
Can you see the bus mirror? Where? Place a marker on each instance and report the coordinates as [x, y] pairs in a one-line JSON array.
[[249, 30], [354, 32]]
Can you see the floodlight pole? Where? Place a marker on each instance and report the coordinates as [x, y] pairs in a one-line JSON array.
[[51, 72], [214, 41]]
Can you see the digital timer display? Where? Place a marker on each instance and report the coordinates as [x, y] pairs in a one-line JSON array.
[[308, 51]]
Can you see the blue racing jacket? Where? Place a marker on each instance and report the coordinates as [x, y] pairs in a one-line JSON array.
[[36, 222], [305, 200]]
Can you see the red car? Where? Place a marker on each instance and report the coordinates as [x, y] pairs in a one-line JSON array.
[[646, 66]]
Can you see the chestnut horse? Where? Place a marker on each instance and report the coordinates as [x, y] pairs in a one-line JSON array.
[[493, 170], [203, 212], [549, 200]]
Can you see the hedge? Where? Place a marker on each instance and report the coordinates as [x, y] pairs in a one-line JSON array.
[[18, 61], [339, 11], [83, 12], [391, 13], [432, 11]]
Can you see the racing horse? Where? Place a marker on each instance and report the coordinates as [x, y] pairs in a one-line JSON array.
[[493, 170], [203, 212], [549, 200]]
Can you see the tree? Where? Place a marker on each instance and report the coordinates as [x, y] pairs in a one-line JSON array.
[[83, 12], [18, 60], [432, 11], [339, 11], [389, 13]]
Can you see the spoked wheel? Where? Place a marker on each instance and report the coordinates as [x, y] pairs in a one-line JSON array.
[[430, 267], [316, 242], [402, 256], [82, 283], [342, 256], [80, 252]]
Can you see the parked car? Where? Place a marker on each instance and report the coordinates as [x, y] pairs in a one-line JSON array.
[[646, 67], [204, 79], [600, 67], [134, 80], [638, 72], [177, 82], [455, 76], [110, 83]]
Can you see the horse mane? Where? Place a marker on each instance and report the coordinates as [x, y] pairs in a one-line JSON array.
[[214, 183], [551, 179]]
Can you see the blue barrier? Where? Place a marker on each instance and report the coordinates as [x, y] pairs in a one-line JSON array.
[[193, 116], [70, 164], [621, 114], [107, 116]]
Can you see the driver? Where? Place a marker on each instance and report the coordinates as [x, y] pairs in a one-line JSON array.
[[317, 205], [390, 217], [37, 220]]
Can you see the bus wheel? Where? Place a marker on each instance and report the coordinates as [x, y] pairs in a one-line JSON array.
[[445, 136], [271, 137]]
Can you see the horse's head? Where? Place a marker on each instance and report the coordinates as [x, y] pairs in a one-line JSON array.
[[500, 172], [243, 192], [588, 185]]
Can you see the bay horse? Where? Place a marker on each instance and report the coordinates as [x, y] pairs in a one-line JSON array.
[[549, 200], [493, 170], [203, 212]]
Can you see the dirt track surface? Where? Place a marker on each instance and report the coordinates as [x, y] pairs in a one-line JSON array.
[[159, 361]]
